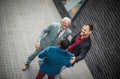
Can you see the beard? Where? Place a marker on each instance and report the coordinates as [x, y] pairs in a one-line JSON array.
[[83, 34]]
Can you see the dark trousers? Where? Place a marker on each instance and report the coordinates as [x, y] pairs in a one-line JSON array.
[[40, 75]]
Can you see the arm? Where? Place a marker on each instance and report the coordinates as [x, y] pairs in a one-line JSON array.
[[83, 53], [71, 59], [44, 31], [65, 58], [69, 33]]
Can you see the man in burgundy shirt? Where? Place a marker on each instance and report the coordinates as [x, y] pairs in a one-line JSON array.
[[81, 43]]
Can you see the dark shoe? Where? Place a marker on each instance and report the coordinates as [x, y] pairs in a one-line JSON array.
[[25, 66]]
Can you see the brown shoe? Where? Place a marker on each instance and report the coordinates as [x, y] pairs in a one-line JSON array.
[[25, 66]]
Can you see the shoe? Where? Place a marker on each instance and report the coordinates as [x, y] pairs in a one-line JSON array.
[[25, 66]]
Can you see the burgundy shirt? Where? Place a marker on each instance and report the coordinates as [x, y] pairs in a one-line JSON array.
[[75, 43]]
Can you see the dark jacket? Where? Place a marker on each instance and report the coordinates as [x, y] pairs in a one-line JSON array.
[[81, 49]]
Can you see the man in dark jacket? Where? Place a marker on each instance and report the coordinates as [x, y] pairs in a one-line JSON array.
[[81, 43]]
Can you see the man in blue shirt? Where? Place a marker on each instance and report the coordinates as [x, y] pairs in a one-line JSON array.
[[54, 59]]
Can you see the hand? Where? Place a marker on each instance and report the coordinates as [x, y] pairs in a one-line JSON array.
[[37, 45], [61, 39], [72, 60]]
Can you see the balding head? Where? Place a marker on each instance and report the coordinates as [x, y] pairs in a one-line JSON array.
[[67, 19], [66, 22]]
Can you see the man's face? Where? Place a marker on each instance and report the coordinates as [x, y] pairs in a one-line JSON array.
[[65, 24], [85, 31]]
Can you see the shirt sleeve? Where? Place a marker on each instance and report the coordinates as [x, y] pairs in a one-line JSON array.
[[83, 53], [66, 59]]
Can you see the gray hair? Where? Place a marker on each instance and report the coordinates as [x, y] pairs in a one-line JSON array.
[[66, 18]]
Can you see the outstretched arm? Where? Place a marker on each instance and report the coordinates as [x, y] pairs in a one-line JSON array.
[[43, 32], [83, 53]]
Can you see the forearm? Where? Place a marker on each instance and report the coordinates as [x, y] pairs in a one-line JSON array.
[[41, 35], [79, 58], [43, 32]]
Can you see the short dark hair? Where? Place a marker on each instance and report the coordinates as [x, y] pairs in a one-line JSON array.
[[64, 43], [90, 26]]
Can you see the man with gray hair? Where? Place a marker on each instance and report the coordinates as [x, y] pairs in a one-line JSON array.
[[51, 35]]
